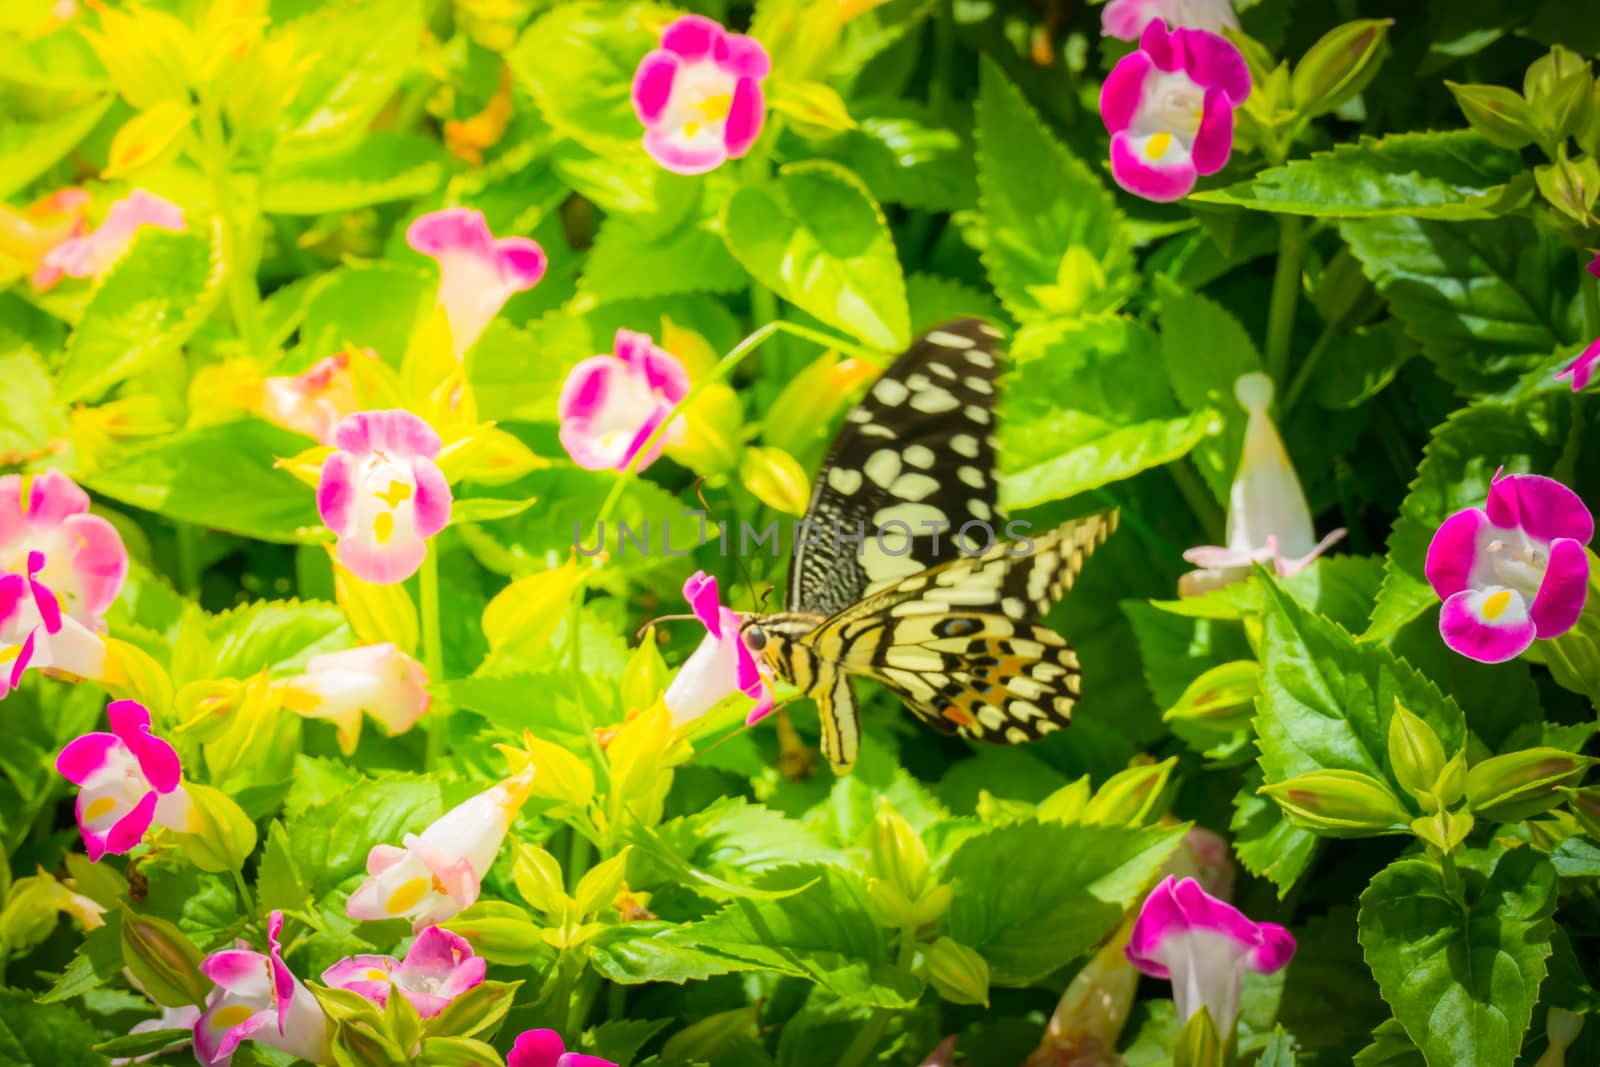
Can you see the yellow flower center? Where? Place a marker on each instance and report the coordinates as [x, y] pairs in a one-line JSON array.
[[231, 1016], [1496, 605], [375, 975], [716, 108], [397, 493], [98, 808], [1158, 144], [406, 897]]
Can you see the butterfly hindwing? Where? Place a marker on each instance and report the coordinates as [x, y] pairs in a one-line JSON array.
[[912, 464]]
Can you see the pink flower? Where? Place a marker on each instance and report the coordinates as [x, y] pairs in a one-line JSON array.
[[382, 495], [438, 967], [1169, 110], [27, 235], [258, 999], [1269, 520], [127, 780], [699, 95], [477, 272], [1128, 18], [92, 254], [722, 665], [1512, 571], [438, 873], [379, 680], [610, 405], [1204, 946], [544, 1048], [1581, 369], [87, 562], [315, 401]]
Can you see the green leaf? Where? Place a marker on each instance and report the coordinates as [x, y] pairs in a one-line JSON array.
[[43, 1033], [29, 416], [1326, 700], [370, 305], [31, 148], [275, 635], [1032, 225], [905, 157], [639, 257], [1083, 409], [1033, 897], [353, 56], [330, 841], [819, 240], [219, 477], [380, 167], [1454, 175], [1488, 301], [1456, 469], [517, 373], [1268, 844], [144, 310], [632, 953], [145, 1044], [1462, 980], [1390, 1048]]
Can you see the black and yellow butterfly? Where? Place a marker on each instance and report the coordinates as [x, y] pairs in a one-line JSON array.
[[906, 575]]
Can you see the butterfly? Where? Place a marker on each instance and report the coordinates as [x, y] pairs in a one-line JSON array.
[[901, 571]]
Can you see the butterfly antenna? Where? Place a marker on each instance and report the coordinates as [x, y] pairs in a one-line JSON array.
[[699, 484], [639, 633]]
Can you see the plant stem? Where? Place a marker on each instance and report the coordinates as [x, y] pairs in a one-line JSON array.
[[245, 899], [1451, 878], [577, 859], [433, 654], [1285, 295], [867, 1038], [1302, 376], [1198, 496], [244, 299]]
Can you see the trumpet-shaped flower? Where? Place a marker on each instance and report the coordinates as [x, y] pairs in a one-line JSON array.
[[699, 95], [91, 254], [722, 664], [127, 780], [382, 495], [1127, 19], [259, 999], [478, 273], [438, 967], [315, 401], [86, 562], [34, 632], [1169, 109], [1204, 946], [611, 404], [379, 680], [438, 872], [544, 1048], [1269, 520], [1512, 571], [1581, 370]]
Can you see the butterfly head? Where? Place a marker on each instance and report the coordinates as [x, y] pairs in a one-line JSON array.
[[774, 639]]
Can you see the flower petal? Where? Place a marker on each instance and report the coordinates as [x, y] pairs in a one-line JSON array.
[[456, 229], [1561, 595], [129, 830], [393, 561], [746, 113], [433, 498], [85, 756], [336, 492], [692, 37], [536, 1048], [1542, 506], [1213, 142], [1122, 91], [1454, 551], [1581, 370], [398, 434], [1154, 166], [1488, 625], [652, 85]]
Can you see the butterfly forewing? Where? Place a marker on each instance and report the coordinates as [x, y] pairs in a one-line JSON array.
[[913, 463]]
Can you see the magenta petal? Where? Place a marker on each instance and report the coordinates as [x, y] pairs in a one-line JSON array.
[[53, 497], [99, 559], [432, 500], [129, 830], [130, 720], [745, 57], [521, 262], [681, 158], [451, 230], [1161, 184], [1594, 266], [579, 1059], [213, 1052], [1581, 370], [1562, 593], [652, 85], [692, 37], [1161, 46], [24, 657], [382, 564], [1122, 90], [1453, 551], [1213, 62], [394, 432], [745, 116], [1275, 951], [233, 968], [336, 492], [1542, 506], [436, 952], [1213, 142], [1159, 917], [701, 593], [1464, 629], [159, 762], [85, 755], [588, 384], [536, 1048]]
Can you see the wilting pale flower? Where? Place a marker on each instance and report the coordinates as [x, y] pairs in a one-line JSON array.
[[477, 272], [1512, 571], [34, 632], [438, 967], [1128, 18], [181, 1018], [382, 495], [1204, 945], [315, 401], [127, 780], [1169, 110], [27, 234], [544, 1048], [1269, 520], [380, 680], [258, 999], [438, 872], [699, 95], [85, 561], [91, 254], [610, 405], [1581, 370], [721, 665]]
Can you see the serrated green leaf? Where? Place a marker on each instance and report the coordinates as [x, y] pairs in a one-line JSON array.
[[31, 148], [1267, 844], [42, 1033], [29, 415], [906, 157], [329, 842], [274, 635], [632, 259], [381, 167], [354, 56]]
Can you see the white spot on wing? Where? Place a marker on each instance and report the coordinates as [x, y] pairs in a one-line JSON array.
[[883, 467], [890, 392], [950, 340], [964, 444], [913, 486], [919, 456], [844, 480], [934, 400]]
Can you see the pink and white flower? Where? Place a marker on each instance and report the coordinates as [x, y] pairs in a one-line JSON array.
[[544, 1048], [1204, 946], [611, 404], [723, 664], [29, 233], [438, 967], [1512, 571], [1169, 109], [382, 495], [1126, 19], [128, 780], [180, 1018], [1269, 520], [259, 999], [92, 254], [86, 562], [378, 680], [699, 95], [1581, 370], [438, 873], [315, 401], [478, 273]]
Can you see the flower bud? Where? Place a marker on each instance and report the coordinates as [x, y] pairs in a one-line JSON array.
[[32, 908], [1220, 700], [1415, 753], [1570, 186], [1452, 784], [958, 973], [1066, 804], [501, 933], [538, 878], [1339, 803], [1132, 797], [897, 853], [1339, 66], [221, 836], [599, 885], [1502, 116], [457, 1052], [560, 775], [888, 905], [776, 479], [1559, 86], [645, 676], [166, 963], [1586, 808], [1512, 787], [474, 1011], [489, 455], [1444, 830]]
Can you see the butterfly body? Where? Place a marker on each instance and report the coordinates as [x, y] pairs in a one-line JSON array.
[[919, 604]]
